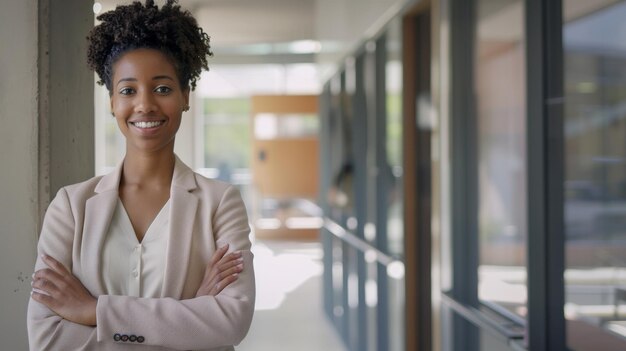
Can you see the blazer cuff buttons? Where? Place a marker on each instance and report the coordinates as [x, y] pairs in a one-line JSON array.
[[128, 338]]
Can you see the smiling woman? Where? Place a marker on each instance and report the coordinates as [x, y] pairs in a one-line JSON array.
[[152, 238], [147, 100]]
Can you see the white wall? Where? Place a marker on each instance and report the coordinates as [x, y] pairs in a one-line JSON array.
[[18, 160]]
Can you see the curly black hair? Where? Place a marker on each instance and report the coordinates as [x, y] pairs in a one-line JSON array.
[[170, 30]]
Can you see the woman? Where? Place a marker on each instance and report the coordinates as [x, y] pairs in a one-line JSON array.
[[139, 256]]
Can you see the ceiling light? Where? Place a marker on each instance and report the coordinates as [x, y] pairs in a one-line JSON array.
[[305, 47]]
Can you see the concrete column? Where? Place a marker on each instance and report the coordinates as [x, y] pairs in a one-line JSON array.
[[67, 115], [46, 109], [18, 159]]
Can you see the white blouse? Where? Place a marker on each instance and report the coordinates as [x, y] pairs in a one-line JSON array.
[[134, 268]]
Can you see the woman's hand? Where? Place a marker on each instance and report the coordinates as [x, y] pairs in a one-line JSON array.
[[220, 272], [63, 293]]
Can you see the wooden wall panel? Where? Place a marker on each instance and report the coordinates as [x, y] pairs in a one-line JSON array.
[[285, 168], [284, 104]]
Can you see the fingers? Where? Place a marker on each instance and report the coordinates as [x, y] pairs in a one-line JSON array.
[[220, 262], [43, 299], [228, 271], [63, 293], [232, 259], [52, 281], [225, 277], [222, 279], [54, 264], [235, 261], [222, 270], [216, 272], [48, 281], [219, 254], [47, 286], [219, 286]]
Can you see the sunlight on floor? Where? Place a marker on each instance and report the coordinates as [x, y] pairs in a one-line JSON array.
[[281, 271], [289, 303]]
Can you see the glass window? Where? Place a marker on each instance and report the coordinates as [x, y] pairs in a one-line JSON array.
[[392, 177], [499, 87], [223, 140], [393, 138], [595, 173], [226, 135], [269, 126]]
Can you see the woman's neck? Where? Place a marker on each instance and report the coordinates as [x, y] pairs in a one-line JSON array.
[[148, 170]]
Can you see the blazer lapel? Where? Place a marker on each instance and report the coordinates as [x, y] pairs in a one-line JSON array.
[[98, 213], [184, 206]]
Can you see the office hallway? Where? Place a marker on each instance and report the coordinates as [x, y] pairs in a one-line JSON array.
[[289, 309]]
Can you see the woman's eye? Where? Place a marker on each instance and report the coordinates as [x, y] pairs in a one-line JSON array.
[[126, 91], [163, 89]]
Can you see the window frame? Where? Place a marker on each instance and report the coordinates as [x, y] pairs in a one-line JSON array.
[[545, 324]]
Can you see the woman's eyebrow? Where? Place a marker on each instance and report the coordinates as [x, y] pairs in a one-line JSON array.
[[162, 77], [135, 79], [126, 80]]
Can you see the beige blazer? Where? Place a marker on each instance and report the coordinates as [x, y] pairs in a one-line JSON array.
[[205, 214]]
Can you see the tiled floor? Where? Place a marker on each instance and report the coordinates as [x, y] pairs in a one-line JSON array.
[[289, 309]]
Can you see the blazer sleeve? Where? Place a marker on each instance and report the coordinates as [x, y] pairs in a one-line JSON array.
[[197, 323], [46, 329]]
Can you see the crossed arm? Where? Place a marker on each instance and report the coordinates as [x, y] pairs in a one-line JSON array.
[[60, 291], [63, 315]]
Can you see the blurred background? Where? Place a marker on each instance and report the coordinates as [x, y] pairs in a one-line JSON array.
[[419, 174]]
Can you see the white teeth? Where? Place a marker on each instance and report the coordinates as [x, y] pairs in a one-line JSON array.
[[147, 124]]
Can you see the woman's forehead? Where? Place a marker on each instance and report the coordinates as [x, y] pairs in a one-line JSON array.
[[143, 62]]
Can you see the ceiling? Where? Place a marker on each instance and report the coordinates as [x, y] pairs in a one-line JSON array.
[[237, 22], [255, 31]]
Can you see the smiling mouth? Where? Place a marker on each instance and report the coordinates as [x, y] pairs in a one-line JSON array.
[[145, 125]]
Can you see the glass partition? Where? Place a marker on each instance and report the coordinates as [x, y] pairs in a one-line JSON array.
[[362, 196], [393, 139], [391, 172], [595, 173], [501, 154]]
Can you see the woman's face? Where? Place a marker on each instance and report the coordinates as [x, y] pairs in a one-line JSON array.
[[147, 100]]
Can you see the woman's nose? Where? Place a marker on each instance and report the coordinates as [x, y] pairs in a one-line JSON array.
[[145, 103]]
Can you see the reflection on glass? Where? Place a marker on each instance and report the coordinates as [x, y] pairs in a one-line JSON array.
[[371, 299], [595, 174], [396, 313], [393, 188], [393, 171], [501, 149], [340, 195]]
